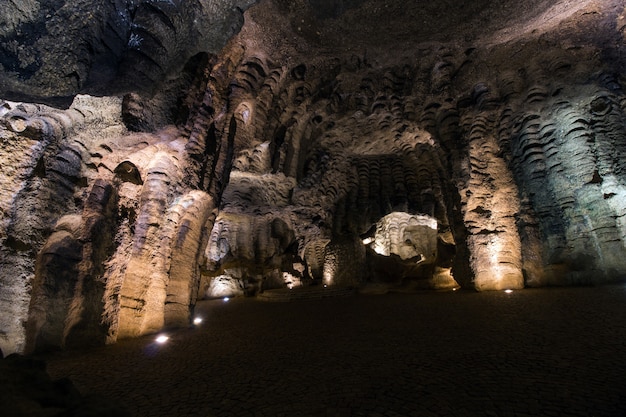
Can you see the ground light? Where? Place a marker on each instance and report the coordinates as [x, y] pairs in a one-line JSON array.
[[162, 339], [197, 320], [226, 299], [508, 291]]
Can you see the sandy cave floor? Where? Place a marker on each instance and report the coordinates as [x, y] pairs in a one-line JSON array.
[[535, 352]]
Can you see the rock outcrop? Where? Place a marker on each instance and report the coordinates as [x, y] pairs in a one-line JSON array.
[[315, 149], [52, 50]]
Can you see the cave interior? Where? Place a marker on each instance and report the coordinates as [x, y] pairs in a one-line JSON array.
[[155, 153]]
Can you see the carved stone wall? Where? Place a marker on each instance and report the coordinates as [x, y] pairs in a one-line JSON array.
[[278, 160]]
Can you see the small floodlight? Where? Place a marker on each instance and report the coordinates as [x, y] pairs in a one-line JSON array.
[[197, 320], [162, 339], [509, 291], [226, 299]]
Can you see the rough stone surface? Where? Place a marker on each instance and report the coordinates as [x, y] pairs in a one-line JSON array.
[[254, 251], [52, 50], [265, 164], [406, 248]]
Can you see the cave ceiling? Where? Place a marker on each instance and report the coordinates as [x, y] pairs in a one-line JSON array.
[[157, 152]]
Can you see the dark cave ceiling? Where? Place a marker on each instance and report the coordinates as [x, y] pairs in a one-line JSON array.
[[51, 51]]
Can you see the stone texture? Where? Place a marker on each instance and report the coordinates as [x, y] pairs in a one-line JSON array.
[[48, 179], [265, 164], [52, 50], [411, 237], [254, 251], [66, 297]]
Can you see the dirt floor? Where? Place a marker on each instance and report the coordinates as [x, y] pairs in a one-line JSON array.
[[548, 352]]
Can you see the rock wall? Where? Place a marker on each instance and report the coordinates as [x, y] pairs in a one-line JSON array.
[[103, 228], [279, 160], [502, 139], [52, 50]]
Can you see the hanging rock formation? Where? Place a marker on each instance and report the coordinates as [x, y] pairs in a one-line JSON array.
[[52, 50], [472, 145]]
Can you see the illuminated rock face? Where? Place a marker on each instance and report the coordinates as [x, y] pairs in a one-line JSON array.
[[248, 253], [405, 247], [407, 236], [489, 159]]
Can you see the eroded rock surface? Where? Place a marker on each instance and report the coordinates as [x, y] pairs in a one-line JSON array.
[[52, 50], [319, 148]]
